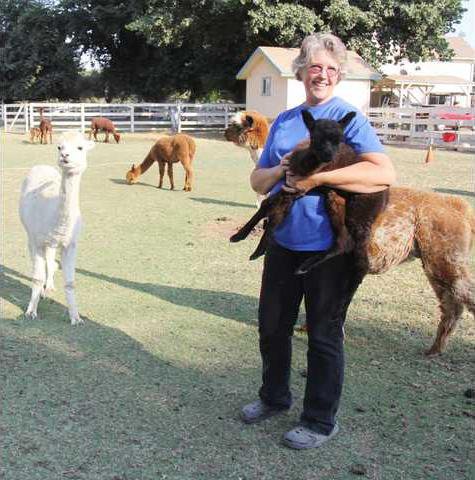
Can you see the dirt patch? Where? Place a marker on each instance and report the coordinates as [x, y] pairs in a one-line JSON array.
[[226, 227]]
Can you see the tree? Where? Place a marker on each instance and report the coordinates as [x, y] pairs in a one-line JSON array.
[[222, 34], [37, 60]]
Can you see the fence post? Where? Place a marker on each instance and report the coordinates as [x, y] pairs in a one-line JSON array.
[[226, 115], [132, 118], [32, 118], [178, 123], [83, 120], [4, 113], [25, 114]]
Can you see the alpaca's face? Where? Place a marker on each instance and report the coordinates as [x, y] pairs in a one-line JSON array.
[[325, 137], [237, 128], [131, 177], [117, 137], [72, 152]]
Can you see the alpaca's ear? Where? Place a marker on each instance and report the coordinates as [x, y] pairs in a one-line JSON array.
[[308, 119], [347, 119], [249, 121], [133, 166]]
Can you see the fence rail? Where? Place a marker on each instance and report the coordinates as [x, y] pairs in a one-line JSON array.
[[449, 127], [127, 117]]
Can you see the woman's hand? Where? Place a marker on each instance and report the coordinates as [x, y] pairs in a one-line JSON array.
[[296, 184]]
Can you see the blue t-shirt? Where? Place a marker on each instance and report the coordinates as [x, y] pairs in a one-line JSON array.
[[308, 227]]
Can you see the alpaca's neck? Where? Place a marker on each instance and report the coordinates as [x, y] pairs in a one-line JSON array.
[[68, 211], [146, 164]]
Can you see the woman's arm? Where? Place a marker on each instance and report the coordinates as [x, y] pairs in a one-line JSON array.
[[373, 172], [263, 179]]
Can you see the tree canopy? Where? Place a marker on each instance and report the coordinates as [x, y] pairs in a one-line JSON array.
[[156, 48]]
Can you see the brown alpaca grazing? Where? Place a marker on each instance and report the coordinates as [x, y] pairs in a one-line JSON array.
[[439, 229], [35, 134], [166, 151], [105, 125], [46, 129]]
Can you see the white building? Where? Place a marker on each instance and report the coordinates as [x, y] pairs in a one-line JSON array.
[[271, 86], [430, 83]]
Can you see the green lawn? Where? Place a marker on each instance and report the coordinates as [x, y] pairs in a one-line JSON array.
[[151, 385]]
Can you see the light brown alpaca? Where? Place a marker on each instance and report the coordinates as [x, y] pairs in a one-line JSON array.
[[46, 129], [167, 151], [35, 134], [439, 229], [105, 125]]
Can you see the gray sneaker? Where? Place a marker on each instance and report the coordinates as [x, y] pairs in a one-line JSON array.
[[301, 437], [257, 411]]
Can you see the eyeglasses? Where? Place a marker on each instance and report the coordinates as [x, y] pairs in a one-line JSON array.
[[317, 68]]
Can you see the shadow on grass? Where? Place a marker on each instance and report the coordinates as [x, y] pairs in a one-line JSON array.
[[233, 306], [222, 202], [120, 181], [455, 192], [111, 405]]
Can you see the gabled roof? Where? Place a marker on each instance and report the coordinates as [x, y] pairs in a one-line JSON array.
[[462, 49], [281, 59]]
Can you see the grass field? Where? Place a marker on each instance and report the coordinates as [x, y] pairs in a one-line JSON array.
[[151, 386]]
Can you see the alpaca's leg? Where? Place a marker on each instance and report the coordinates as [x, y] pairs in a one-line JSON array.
[[246, 229], [188, 179], [39, 277], [170, 175], [68, 260], [51, 266], [450, 311], [161, 170], [95, 134], [106, 140]]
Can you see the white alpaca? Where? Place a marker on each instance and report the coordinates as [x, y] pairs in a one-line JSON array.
[[49, 211]]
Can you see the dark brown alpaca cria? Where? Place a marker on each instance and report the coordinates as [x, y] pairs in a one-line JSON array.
[[351, 214], [46, 129], [166, 151], [105, 125]]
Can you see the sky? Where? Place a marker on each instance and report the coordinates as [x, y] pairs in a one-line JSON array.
[[467, 26]]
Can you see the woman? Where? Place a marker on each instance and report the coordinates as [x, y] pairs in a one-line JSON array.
[[328, 289]]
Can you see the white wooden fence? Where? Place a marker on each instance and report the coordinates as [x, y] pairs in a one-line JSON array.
[[126, 117], [449, 127]]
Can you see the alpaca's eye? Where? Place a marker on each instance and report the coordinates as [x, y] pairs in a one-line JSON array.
[[79, 148], [59, 148]]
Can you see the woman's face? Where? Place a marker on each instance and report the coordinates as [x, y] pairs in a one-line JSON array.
[[320, 77]]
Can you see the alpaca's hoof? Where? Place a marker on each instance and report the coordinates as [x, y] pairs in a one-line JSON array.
[[30, 314], [433, 351], [77, 320]]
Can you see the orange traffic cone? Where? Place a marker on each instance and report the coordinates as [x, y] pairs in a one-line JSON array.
[[430, 154]]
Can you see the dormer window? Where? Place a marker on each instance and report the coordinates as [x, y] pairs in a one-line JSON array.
[[266, 86]]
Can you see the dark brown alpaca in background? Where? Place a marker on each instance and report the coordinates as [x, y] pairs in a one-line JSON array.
[[105, 125], [46, 129], [167, 151]]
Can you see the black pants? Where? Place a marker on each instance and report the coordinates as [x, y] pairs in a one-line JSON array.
[[327, 290]]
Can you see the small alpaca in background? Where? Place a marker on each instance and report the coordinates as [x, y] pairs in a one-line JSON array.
[[46, 129], [105, 125], [249, 129], [49, 211], [35, 134], [167, 151]]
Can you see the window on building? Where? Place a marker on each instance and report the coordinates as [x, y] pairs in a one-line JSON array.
[[266, 86], [439, 99]]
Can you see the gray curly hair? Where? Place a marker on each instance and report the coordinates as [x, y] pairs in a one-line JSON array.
[[320, 41]]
